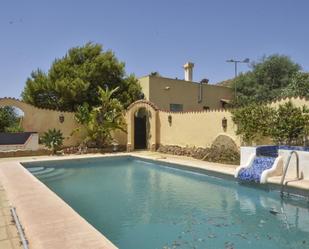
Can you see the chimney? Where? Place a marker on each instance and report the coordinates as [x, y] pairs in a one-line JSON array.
[[188, 71]]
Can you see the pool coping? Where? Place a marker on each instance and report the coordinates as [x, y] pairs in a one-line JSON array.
[[300, 188], [49, 222]]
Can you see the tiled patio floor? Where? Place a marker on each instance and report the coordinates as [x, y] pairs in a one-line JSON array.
[[9, 238]]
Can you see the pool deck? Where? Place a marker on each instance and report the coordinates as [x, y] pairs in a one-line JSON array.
[[225, 169], [50, 223], [9, 238]]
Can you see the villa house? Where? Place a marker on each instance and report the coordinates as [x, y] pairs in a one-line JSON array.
[[184, 95]]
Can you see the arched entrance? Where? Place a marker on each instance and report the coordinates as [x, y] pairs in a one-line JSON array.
[[11, 119], [142, 125], [140, 129]]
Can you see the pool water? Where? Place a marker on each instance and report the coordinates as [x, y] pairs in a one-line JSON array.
[[144, 205]]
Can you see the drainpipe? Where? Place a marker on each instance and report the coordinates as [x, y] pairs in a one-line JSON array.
[[200, 96]]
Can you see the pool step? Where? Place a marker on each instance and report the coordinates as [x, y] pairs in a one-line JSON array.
[[49, 172]]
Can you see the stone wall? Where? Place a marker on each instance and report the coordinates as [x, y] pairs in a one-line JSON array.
[[222, 150]]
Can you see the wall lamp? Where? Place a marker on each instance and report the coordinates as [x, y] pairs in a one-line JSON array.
[[169, 118], [61, 118], [224, 123]]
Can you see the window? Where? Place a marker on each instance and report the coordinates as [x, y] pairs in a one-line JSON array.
[[176, 107]]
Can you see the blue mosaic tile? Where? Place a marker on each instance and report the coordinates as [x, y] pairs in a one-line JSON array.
[[298, 148], [265, 158], [253, 174], [267, 151]]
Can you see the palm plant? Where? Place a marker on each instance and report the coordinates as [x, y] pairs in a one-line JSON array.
[[52, 139], [101, 121]]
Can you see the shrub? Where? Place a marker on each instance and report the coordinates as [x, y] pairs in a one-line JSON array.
[[101, 121], [253, 122], [52, 139], [290, 125], [286, 124]]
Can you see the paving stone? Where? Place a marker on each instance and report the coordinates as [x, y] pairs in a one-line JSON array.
[[12, 231], [9, 237], [5, 244], [16, 243], [2, 221], [8, 219], [3, 233], [3, 197], [5, 203], [6, 211]]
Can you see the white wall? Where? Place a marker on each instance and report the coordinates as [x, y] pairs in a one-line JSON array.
[[303, 163]]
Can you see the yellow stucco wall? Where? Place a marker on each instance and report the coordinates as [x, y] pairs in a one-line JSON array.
[[298, 102], [40, 120], [201, 128], [144, 82], [164, 91], [197, 129], [187, 128]]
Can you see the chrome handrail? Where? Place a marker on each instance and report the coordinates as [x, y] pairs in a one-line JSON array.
[[286, 166]]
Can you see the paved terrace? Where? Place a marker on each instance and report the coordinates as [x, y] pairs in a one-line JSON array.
[[9, 238], [49, 222]]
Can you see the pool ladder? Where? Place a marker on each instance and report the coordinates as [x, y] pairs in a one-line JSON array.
[[286, 166]]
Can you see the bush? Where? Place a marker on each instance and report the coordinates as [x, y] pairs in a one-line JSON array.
[[286, 124], [9, 120], [290, 125], [253, 122], [52, 139], [100, 122]]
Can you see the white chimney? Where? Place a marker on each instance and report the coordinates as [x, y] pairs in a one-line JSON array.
[[188, 71]]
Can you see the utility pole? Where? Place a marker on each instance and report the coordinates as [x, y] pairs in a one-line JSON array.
[[247, 60]]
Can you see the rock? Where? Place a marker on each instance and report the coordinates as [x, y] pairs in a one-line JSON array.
[[223, 150]]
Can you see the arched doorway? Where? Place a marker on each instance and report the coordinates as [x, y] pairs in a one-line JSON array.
[[141, 119], [140, 129], [11, 119]]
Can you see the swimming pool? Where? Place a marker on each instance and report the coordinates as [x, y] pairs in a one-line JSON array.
[[143, 204]]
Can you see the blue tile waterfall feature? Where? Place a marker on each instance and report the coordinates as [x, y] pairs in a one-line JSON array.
[[253, 173], [265, 157], [267, 151]]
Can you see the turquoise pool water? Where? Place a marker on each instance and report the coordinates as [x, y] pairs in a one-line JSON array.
[[143, 205]]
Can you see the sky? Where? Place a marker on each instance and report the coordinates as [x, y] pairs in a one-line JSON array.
[[151, 35]]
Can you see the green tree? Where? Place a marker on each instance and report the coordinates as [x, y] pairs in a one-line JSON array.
[[52, 139], [299, 86], [75, 78], [9, 120], [286, 124], [266, 80], [290, 125], [101, 121], [254, 122]]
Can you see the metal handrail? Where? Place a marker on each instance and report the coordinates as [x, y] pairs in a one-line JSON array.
[[286, 170]]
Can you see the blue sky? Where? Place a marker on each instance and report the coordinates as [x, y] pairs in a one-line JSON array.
[[148, 36]]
